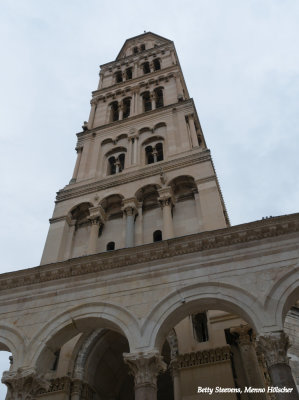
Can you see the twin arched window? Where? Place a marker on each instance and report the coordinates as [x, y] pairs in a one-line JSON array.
[[115, 109], [154, 153], [157, 97], [116, 164]]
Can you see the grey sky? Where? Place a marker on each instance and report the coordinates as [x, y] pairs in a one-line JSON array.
[[240, 60]]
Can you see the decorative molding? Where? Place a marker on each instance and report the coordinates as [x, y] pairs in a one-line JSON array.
[[236, 235], [210, 356], [62, 384]]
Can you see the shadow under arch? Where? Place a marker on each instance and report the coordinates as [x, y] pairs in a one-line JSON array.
[[283, 295], [195, 298], [13, 341], [81, 319]]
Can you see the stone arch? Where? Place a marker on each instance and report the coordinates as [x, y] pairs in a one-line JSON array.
[[81, 319], [283, 294], [107, 141], [160, 125], [79, 208], [202, 296], [13, 341], [121, 136], [118, 149], [145, 129]]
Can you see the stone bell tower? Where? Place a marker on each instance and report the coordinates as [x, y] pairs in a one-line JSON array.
[[143, 171]]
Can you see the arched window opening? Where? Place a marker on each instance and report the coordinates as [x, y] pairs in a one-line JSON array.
[[157, 236], [114, 111], [121, 159], [149, 155], [142, 47], [126, 107], [129, 73], [157, 64], [118, 77], [135, 50], [147, 104], [146, 68], [200, 327], [154, 154], [112, 165], [110, 246], [159, 98], [159, 150]]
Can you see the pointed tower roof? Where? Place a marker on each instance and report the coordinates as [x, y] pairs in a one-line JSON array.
[[139, 39]]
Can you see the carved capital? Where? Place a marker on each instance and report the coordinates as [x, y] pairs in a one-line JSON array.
[[97, 215], [274, 347], [130, 206], [24, 383], [145, 367], [166, 197]]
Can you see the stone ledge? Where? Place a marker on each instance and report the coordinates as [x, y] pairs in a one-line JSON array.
[[239, 234]]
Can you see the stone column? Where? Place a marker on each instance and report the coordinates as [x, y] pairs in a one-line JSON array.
[[23, 384], [166, 201], [139, 226], [97, 217], [145, 367], [120, 112], [135, 149], [130, 211], [176, 379], [193, 133], [153, 100], [77, 165], [68, 246], [250, 362], [274, 347], [198, 210], [180, 92], [94, 103]]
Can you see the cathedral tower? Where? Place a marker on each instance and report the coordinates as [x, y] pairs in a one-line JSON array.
[[143, 171]]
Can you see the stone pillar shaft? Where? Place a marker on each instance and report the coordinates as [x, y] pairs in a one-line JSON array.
[[94, 232], [77, 165], [92, 114], [192, 130]]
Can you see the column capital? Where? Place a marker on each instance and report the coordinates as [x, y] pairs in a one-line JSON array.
[[130, 206], [274, 347], [24, 383], [145, 367], [97, 215], [94, 101], [166, 197]]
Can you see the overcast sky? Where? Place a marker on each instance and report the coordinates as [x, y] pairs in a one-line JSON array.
[[240, 60]]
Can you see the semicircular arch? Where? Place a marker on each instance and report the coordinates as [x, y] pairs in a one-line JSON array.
[[200, 297], [81, 319], [13, 341]]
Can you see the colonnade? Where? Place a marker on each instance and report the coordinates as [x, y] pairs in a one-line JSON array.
[[146, 366]]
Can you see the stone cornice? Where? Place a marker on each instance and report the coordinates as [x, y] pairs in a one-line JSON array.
[[128, 121], [236, 235], [129, 83], [72, 191]]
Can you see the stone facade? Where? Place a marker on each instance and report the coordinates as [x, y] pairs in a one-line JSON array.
[[144, 290]]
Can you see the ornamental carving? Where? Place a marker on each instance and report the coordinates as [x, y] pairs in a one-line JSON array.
[[23, 384], [210, 356], [274, 348], [145, 367]]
